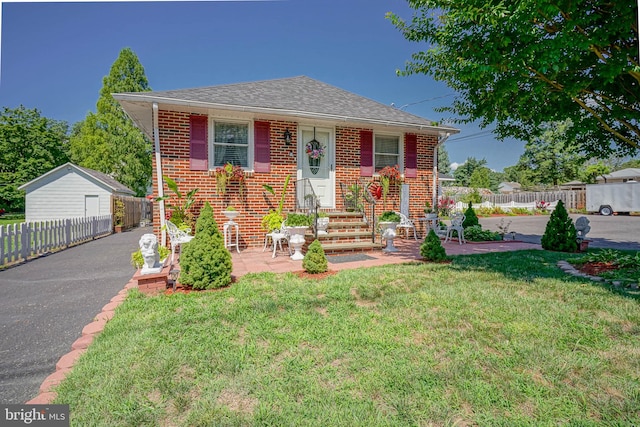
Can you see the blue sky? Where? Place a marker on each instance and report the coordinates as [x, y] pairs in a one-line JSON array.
[[54, 55]]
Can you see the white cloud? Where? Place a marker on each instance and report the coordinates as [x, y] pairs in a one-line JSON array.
[[455, 165]]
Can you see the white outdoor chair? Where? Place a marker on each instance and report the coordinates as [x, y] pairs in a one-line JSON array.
[[406, 224], [456, 225], [177, 237], [277, 236]]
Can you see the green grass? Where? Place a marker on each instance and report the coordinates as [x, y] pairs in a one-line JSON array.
[[498, 340]]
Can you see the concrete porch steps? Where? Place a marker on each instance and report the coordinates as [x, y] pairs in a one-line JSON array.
[[347, 232]]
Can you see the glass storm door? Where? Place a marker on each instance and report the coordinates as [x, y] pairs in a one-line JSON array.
[[315, 162]]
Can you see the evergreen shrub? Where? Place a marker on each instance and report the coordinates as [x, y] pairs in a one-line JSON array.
[[560, 233], [205, 263], [470, 217], [432, 249], [315, 260]]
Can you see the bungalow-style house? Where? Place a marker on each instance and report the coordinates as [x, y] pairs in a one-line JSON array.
[[622, 175], [71, 191], [509, 187], [324, 137]]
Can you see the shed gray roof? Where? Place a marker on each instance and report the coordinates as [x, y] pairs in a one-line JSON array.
[[301, 97], [628, 173], [105, 179]]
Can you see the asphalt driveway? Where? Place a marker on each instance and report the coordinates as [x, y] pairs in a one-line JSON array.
[[615, 232], [45, 303]]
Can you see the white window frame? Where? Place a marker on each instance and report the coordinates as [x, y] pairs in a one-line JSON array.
[[250, 142], [400, 150]]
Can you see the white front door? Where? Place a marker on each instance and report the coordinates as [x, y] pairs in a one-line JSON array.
[[91, 206], [316, 160]]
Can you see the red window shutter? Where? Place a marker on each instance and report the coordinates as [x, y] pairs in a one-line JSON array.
[[366, 153], [198, 143], [410, 156], [262, 143]]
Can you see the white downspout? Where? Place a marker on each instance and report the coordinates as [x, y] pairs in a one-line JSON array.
[[156, 142], [441, 140]]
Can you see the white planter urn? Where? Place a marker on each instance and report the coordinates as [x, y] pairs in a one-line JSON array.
[[231, 215], [389, 233], [323, 225], [297, 240]]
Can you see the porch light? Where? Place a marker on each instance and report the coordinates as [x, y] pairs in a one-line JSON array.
[[287, 137]]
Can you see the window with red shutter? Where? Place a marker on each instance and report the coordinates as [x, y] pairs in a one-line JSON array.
[[366, 153], [262, 147], [411, 156], [198, 143]]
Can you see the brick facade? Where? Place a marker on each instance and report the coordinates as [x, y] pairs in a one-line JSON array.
[[256, 202]]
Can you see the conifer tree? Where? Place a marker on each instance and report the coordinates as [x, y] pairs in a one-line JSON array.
[[560, 233], [315, 260], [205, 263], [107, 140], [470, 217], [432, 249]]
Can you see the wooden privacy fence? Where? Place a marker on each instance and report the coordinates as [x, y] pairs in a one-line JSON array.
[[19, 242], [136, 210], [572, 199]]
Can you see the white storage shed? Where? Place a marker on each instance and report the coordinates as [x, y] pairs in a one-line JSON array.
[[70, 191]]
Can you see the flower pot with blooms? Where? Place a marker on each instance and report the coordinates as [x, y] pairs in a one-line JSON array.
[[228, 174], [388, 176], [315, 152]]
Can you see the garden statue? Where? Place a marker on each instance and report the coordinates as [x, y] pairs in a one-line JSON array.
[[582, 227], [149, 249]]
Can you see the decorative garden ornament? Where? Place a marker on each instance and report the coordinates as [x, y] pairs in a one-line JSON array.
[[389, 233], [297, 240], [149, 249]]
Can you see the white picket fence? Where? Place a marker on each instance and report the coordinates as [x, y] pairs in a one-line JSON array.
[[19, 242], [460, 206]]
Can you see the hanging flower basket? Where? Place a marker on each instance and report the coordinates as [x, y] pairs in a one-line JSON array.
[[315, 151]]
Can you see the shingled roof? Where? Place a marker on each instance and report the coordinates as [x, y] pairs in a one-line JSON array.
[[301, 97], [101, 177]]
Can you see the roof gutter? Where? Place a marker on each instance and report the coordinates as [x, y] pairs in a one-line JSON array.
[[135, 97], [441, 140], [156, 142]]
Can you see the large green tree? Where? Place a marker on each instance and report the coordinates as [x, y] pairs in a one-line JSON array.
[[520, 63], [107, 140], [550, 159], [444, 164], [30, 145], [463, 173]]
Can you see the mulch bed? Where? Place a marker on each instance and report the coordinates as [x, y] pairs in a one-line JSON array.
[[596, 268], [318, 276]]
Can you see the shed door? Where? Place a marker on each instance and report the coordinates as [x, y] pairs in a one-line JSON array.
[[91, 206]]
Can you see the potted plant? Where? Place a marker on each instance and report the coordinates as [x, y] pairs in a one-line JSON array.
[[388, 222], [429, 211], [118, 215], [297, 225], [231, 213], [273, 220]]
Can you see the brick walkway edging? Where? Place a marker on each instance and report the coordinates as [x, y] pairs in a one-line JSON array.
[[89, 332]]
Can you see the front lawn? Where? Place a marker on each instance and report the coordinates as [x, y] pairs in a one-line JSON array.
[[497, 339]]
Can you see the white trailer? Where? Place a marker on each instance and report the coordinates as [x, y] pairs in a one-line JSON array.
[[609, 198]]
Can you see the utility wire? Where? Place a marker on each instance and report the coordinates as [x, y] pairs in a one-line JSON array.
[[420, 102]]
